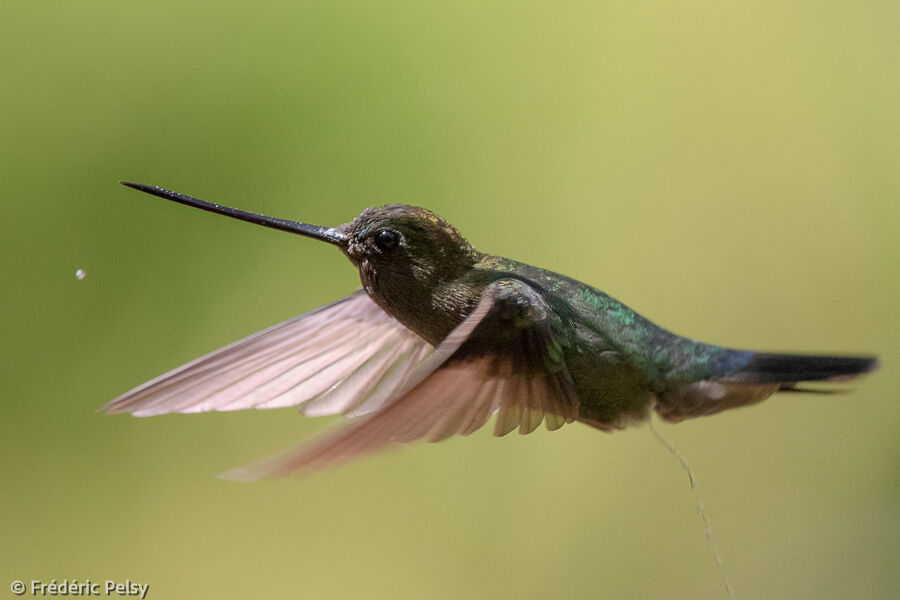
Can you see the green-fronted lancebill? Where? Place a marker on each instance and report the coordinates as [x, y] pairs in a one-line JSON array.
[[442, 337]]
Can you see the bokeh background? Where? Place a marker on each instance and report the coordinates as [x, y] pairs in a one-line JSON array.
[[728, 169]]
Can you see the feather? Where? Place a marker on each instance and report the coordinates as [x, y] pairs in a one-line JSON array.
[[348, 356], [791, 368], [478, 369], [760, 377]]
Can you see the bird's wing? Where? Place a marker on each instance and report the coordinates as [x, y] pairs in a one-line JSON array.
[[506, 357], [347, 357]]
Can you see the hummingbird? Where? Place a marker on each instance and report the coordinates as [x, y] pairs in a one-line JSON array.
[[441, 337]]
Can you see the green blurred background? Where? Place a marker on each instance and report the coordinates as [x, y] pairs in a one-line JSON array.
[[728, 169]]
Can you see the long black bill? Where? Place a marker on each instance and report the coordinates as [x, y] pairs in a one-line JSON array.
[[326, 234]]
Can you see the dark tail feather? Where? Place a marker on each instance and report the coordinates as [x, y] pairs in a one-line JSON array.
[[791, 368], [812, 390], [761, 376]]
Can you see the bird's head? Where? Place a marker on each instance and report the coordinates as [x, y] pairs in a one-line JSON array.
[[401, 249], [406, 256]]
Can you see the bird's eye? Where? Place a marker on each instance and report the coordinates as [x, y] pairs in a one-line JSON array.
[[387, 240]]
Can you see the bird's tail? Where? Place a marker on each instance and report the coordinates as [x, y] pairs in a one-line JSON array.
[[760, 377], [765, 368]]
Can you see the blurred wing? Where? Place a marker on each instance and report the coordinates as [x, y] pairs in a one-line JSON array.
[[506, 357], [347, 357]]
